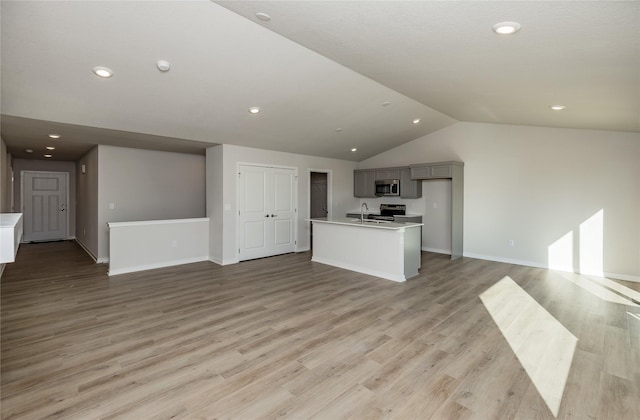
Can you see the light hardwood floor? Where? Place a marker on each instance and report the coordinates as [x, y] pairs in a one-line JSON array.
[[285, 337]]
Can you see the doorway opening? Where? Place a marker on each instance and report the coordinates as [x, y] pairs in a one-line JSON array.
[[318, 198]]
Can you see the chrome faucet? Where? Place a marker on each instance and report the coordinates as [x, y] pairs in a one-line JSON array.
[[363, 207]]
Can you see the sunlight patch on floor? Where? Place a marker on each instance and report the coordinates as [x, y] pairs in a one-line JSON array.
[[541, 343], [605, 289]]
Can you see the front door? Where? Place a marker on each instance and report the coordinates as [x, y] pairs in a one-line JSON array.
[[267, 211], [45, 205]]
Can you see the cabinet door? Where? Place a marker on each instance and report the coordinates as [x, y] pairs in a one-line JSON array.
[[364, 184], [408, 187], [388, 174], [441, 171], [420, 172]]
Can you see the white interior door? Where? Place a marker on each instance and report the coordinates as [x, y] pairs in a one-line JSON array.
[[45, 205], [267, 212]]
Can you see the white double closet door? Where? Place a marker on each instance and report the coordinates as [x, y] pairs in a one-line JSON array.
[[266, 210]]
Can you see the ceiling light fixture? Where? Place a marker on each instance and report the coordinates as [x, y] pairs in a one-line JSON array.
[[338, 130], [103, 72], [54, 136], [50, 148], [163, 65], [48, 156], [354, 149], [506, 28], [28, 150], [387, 103], [254, 109], [558, 107], [416, 121], [263, 16]]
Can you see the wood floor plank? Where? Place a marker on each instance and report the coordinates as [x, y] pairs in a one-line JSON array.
[[288, 338]]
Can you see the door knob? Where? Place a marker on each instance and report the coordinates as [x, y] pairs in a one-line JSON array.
[[266, 215], [274, 215], [62, 207]]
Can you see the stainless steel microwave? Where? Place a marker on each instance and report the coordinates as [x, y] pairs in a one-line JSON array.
[[387, 187]]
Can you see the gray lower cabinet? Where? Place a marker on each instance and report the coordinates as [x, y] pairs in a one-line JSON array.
[[364, 183]]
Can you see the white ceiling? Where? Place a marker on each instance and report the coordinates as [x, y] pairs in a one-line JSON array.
[[315, 67]]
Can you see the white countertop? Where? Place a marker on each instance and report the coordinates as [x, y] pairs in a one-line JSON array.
[[367, 223]]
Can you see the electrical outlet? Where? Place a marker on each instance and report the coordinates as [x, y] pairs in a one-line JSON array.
[[174, 243], [512, 242]]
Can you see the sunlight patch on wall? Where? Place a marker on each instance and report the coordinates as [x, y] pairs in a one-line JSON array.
[[592, 245], [560, 253], [543, 345]]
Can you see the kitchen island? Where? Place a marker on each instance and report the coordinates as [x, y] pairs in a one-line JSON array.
[[383, 249]]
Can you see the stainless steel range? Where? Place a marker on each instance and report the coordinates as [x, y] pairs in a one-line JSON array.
[[388, 211]]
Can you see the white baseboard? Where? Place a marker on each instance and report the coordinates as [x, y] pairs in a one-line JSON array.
[[162, 264], [224, 262], [437, 250], [83, 246], [526, 263]]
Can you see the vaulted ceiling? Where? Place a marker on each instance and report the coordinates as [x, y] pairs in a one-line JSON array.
[[328, 76]]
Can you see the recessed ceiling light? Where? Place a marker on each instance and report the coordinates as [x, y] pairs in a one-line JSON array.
[[338, 130], [103, 72], [163, 65], [416, 121], [263, 16], [54, 136], [28, 150], [354, 149], [506, 28], [50, 148], [557, 107], [387, 103], [254, 109], [48, 156]]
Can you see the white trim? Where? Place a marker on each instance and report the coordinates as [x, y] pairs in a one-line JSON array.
[[156, 222], [86, 249], [525, 263], [437, 250], [224, 262], [158, 265], [102, 260], [359, 269]]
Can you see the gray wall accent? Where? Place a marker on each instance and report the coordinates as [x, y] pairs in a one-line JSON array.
[[87, 199], [46, 166], [5, 178], [147, 185]]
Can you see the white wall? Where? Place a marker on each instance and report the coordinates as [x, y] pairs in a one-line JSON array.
[[222, 184], [47, 166], [87, 202], [146, 185], [544, 188]]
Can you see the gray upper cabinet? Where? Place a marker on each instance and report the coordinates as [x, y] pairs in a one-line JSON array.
[[364, 183], [434, 170], [420, 172], [408, 187], [389, 173]]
